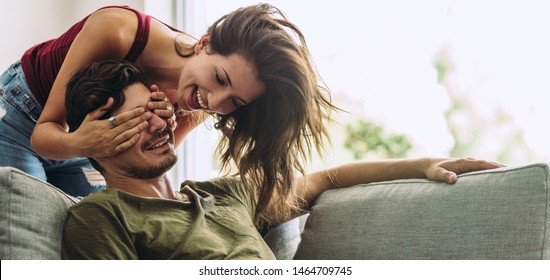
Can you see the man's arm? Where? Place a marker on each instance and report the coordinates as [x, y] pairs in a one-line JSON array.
[[363, 172]]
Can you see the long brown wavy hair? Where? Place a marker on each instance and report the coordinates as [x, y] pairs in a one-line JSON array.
[[270, 139]]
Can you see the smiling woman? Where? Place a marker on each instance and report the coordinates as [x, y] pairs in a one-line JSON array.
[[490, 101], [232, 81], [251, 69]]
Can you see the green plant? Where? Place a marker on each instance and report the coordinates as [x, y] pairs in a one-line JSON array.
[[364, 138]]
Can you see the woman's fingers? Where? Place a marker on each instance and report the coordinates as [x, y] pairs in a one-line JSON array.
[[161, 108], [133, 127], [442, 174], [130, 119], [154, 88], [446, 170], [108, 137], [129, 125], [123, 119], [160, 104], [126, 144], [469, 165]]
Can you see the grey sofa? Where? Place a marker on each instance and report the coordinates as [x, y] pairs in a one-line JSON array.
[[495, 214]]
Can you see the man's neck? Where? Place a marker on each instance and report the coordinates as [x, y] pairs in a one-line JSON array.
[[157, 187]]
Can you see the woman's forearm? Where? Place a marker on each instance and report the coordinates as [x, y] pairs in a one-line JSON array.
[[361, 172], [364, 172], [50, 140]]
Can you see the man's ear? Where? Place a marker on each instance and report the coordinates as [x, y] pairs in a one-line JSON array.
[[202, 44]]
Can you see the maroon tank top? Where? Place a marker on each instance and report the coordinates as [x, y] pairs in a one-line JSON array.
[[42, 62]]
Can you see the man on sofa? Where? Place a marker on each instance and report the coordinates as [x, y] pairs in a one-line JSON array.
[[139, 216]]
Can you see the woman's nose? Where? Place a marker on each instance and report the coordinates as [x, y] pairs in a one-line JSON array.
[[220, 102]]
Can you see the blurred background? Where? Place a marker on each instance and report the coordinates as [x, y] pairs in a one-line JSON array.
[[417, 78]]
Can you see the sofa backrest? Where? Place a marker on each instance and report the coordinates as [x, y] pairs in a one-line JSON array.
[[32, 216], [493, 214]]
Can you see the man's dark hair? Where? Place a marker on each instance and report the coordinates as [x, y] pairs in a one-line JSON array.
[[90, 87]]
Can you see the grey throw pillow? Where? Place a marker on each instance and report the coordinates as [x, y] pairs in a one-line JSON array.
[[32, 216]]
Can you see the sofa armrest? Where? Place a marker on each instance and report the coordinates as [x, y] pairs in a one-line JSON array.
[[32, 216], [492, 214]]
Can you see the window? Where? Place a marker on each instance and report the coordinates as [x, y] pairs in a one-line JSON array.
[[196, 156], [436, 78]]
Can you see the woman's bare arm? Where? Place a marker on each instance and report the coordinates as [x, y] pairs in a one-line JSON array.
[[362, 172], [107, 34]]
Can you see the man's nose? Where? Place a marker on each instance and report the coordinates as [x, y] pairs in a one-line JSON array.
[[156, 123]]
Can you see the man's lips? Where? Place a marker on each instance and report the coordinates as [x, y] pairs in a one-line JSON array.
[[159, 140]]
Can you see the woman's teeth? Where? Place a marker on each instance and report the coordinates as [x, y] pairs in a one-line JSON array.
[[201, 102]]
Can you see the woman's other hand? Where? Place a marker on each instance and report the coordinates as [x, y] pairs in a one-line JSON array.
[[446, 170], [161, 106]]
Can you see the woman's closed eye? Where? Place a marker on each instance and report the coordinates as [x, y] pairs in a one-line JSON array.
[[219, 79], [236, 103]]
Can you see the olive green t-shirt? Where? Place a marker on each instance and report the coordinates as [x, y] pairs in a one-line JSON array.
[[208, 220]]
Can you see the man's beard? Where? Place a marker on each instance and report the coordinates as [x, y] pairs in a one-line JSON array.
[[154, 171]]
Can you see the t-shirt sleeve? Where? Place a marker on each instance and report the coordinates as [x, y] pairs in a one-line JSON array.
[[94, 232]]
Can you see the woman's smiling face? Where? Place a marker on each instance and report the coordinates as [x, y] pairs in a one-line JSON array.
[[217, 83]]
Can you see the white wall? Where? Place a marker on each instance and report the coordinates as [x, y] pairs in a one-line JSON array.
[[28, 22]]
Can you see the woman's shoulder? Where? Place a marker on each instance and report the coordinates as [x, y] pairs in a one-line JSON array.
[[115, 16], [115, 26]]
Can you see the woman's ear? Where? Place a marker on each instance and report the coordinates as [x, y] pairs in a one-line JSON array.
[[202, 44]]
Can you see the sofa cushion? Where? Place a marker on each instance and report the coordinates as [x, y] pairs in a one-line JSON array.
[[493, 214], [32, 216], [283, 239]]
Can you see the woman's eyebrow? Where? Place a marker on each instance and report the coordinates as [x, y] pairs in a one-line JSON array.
[[230, 84]]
